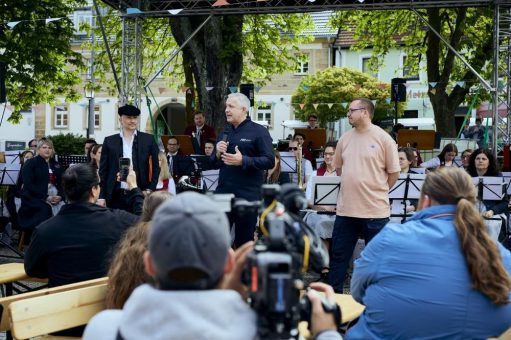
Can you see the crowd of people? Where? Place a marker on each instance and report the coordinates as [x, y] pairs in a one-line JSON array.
[[174, 261]]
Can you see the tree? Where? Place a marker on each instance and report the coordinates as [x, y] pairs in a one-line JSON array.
[[328, 92], [40, 62], [227, 51], [468, 30]]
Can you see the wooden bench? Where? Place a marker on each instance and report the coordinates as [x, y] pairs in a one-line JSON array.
[[53, 309], [14, 272]]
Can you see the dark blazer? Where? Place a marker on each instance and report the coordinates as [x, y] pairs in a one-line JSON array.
[[34, 208], [144, 148], [207, 132]]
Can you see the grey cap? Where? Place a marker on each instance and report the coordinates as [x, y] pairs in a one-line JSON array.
[[189, 241]]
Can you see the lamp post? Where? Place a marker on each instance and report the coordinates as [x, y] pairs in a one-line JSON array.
[[89, 94]]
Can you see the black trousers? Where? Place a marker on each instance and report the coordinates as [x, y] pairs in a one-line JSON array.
[[244, 227]]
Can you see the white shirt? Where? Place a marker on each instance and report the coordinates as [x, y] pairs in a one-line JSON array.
[[127, 151]]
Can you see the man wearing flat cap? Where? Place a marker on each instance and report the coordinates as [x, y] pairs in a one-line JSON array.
[[139, 147]]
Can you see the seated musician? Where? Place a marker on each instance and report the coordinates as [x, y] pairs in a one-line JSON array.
[[406, 158], [323, 223], [275, 175], [307, 171]]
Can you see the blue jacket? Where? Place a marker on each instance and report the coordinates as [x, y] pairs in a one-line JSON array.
[[414, 281], [255, 144]]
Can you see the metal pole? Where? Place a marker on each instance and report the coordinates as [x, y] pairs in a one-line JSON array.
[[90, 129], [494, 90]]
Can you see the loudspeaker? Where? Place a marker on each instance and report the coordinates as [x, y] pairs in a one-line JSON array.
[[3, 70], [248, 90], [398, 90]]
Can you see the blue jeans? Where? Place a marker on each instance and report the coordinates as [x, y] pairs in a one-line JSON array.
[[347, 231]]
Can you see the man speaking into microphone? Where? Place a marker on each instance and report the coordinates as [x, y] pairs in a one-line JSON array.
[[243, 152]]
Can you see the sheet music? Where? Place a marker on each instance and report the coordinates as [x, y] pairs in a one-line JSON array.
[[287, 162], [9, 173], [415, 182], [507, 181], [211, 179], [419, 170], [325, 190], [492, 188], [398, 190], [415, 186]]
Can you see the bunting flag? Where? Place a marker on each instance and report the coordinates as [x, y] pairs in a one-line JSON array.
[[184, 89], [13, 24], [209, 88], [374, 102], [461, 83], [330, 105], [51, 19], [189, 90], [433, 91], [433, 84], [174, 11], [407, 85], [219, 3], [302, 106], [133, 10], [233, 89], [315, 106], [257, 88], [387, 100], [161, 89]]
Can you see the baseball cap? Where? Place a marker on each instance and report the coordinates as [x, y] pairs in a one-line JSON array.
[[189, 241], [128, 110]]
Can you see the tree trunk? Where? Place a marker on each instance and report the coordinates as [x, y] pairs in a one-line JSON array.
[[215, 57]]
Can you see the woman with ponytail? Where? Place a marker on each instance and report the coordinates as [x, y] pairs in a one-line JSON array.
[[439, 275]]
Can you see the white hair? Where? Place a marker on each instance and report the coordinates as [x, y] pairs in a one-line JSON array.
[[243, 100]]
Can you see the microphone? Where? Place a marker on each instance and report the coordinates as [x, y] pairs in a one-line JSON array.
[[225, 136]]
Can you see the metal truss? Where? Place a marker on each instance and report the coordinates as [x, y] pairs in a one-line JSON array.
[[160, 8], [501, 96], [131, 61]]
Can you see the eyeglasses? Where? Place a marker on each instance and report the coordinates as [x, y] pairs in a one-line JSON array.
[[294, 148], [172, 144], [353, 110], [465, 157], [329, 153]]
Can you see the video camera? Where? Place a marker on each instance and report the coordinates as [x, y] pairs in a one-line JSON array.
[[287, 249]]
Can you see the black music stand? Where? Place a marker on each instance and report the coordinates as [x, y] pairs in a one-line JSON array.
[[490, 188], [288, 162], [408, 186], [9, 174], [325, 190], [66, 160]]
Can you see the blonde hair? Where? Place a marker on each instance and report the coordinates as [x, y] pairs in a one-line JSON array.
[[164, 167], [448, 185], [45, 141]]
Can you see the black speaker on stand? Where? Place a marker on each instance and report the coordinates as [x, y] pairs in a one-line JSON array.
[[248, 90], [3, 70], [397, 93]]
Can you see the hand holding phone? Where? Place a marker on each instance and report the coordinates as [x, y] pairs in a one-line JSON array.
[[124, 168]]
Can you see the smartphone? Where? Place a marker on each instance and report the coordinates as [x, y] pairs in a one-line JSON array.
[[124, 168]]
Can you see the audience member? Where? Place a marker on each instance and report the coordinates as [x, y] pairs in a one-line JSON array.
[[366, 158], [200, 132], [323, 223], [41, 195], [165, 181], [32, 144], [179, 164], [142, 150], [76, 244], [197, 292], [89, 143], [439, 275], [275, 175], [127, 268], [465, 157], [209, 146], [95, 155], [445, 158], [476, 132]]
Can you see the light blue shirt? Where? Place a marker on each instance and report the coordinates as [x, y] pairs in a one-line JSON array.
[[414, 281]]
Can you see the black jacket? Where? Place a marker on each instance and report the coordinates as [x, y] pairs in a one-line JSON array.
[[144, 150], [34, 208], [77, 243]]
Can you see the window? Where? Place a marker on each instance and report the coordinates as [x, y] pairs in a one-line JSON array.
[[410, 72], [61, 116], [366, 69], [303, 64], [264, 112], [80, 18], [97, 116]]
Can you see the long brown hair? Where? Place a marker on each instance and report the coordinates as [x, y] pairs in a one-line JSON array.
[[274, 177], [449, 185]]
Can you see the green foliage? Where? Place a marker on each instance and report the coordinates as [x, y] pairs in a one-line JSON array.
[[40, 62], [339, 85], [68, 144]]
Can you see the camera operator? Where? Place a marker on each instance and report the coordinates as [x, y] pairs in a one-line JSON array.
[[198, 293]]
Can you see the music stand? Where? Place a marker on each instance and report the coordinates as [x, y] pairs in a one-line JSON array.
[[67, 160], [325, 190], [9, 173], [507, 181], [489, 188], [12, 157], [211, 179], [421, 171], [407, 186], [288, 162]]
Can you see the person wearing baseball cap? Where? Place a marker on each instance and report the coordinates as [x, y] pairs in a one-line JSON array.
[[197, 293], [139, 147]]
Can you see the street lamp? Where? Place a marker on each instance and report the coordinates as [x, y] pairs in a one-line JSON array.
[[89, 94]]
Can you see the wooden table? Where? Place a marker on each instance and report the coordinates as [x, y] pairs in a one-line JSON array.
[[350, 310]]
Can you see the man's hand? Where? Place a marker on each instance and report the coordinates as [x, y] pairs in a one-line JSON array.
[[233, 158], [320, 320], [221, 148], [232, 280]]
